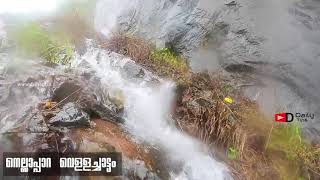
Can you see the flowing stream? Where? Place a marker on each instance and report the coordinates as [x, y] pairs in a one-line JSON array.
[[241, 35], [147, 110]]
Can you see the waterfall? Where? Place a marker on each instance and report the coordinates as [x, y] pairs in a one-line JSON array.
[[147, 114]]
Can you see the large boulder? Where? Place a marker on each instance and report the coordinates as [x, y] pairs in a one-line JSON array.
[[90, 97], [71, 116]]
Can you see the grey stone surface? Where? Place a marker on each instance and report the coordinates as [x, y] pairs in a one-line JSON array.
[[132, 70], [181, 24], [71, 116], [91, 98]]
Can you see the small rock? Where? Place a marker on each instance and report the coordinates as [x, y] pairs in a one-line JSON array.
[[133, 70], [71, 116], [231, 3], [242, 31], [104, 113], [36, 122], [92, 124], [117, 98], [136, 169]]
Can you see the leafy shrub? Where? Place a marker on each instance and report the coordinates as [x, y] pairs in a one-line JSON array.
[[133, 47], [32, 40]]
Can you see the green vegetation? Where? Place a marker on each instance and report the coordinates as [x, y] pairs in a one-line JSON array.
[[168, 57], [232, 153], [32, 40], [163, 62], [289, 140]]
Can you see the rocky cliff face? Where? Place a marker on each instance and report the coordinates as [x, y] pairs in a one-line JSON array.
[[181, 24]]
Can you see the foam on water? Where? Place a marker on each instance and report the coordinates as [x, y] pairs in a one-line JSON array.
[[147, 110]]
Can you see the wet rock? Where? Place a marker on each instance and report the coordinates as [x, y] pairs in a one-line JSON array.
[[239, 68], [221, 29], [231, 3], [136, 169], [117, 98], [37, 123], [64, 90], [101, 111], [242, 31], [71, 116], [181, 23], [137, 73], [31, 142], [91, 97], [132, 70]]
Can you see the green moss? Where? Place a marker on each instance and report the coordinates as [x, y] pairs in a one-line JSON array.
[[167, 57], [34, 41]]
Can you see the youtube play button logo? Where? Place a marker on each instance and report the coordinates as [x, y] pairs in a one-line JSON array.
[[284, 117]]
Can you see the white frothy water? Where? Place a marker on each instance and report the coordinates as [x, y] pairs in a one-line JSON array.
[[147, 110]]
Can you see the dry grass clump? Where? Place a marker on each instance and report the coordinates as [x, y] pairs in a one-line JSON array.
[[202, 107], [160, 61], [202, 112], [133, 47], [253, 146]]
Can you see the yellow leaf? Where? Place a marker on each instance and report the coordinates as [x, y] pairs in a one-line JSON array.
[[228, 100], [48, 105]]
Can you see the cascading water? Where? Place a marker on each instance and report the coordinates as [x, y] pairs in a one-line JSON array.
[[147, 110]]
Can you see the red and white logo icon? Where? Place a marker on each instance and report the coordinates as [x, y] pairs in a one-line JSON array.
[[280, 117], [284, 117]]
